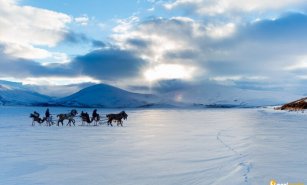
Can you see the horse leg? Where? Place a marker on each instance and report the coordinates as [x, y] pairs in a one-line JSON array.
[[110, 122]]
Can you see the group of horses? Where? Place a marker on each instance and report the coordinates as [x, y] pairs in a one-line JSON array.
[[97, 119]]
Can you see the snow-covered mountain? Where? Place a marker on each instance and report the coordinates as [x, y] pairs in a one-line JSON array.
[[214, 95], [17, 96], [103, 95]]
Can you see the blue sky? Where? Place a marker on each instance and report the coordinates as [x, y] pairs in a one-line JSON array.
[[141, 43]]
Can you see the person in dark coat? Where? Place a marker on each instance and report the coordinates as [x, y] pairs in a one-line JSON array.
[[47, 114], [94, 115], [87, 116]]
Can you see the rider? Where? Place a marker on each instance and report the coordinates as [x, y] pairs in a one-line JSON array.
[[47, 114], [95, 115], [36, 114], [87, 117]]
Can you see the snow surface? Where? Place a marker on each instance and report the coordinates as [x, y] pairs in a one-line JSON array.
[[156, 147]]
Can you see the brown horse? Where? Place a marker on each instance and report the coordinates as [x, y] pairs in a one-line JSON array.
[[36, 118], [70, 117], [117, 117]]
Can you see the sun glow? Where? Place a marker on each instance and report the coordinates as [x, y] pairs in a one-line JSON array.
[[169, 71]]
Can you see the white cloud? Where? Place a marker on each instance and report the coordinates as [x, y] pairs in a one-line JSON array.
[[24, 28], [25, 51], [83, 20], [124, 25], [221, 31], [216, 7]]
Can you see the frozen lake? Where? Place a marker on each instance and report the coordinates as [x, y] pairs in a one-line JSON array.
[[156, 147]]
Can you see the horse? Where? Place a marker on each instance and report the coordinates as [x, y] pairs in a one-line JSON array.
[[70, 117], [37, 119], [117, 117], [86, 118]]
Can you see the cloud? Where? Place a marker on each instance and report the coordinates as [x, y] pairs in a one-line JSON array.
[[24, 28], [257, 52], [82, 20], [22, 68], [222, 7], [109, 64], [248, 54]]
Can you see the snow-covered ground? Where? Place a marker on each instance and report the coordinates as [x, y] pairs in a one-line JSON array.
[[156, 147]]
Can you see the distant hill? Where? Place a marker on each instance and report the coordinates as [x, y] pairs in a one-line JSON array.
[[220, 96], [16, 96], [107, 96], [296, 105]]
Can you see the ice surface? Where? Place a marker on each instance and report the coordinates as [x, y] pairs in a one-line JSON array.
[[157, 147]]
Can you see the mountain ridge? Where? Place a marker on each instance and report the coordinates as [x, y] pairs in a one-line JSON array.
[[108, 96]]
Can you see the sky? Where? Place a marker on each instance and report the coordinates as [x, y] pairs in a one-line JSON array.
[[139, 44]]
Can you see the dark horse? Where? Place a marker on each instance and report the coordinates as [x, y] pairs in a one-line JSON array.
[[70, 117], [117, 117], [36, 118], [86, 118]]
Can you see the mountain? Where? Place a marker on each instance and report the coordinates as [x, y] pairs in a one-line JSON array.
[[214, 95], [106, 96], [103, 95], [10, 95]]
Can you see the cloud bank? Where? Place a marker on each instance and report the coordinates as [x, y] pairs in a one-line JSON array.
[[234, 43]]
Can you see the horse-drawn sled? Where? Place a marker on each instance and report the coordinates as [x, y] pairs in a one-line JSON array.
[[85, 118]]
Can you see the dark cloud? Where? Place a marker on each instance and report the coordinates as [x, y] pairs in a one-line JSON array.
[[290, 26], [20, 68], [138, 42], [109, 64], [103, 64], [74, 38], [164, 86], [98, 44], [81, 38], [262, 48]]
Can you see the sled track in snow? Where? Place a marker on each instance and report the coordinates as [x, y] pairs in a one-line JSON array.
[[245, 164]]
